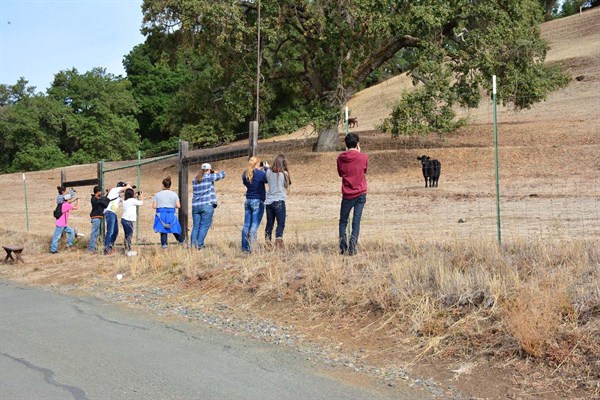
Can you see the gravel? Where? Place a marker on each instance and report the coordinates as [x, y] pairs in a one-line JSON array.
[[160, 301]]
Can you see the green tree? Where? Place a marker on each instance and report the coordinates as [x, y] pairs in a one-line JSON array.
[[325, 50], [31, 126], [571, 7], [101, 119], [156, 77]]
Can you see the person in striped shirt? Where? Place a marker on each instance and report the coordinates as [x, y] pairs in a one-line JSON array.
[[204, 202]]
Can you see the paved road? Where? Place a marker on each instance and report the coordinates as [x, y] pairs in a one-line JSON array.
[[59, 347]]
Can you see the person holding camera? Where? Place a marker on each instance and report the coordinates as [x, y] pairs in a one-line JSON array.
[[166, 202], [254, 178], [204, 202], [99, 204], [110, 216], [62, 223], [352, 166], [62, 191], [279, 181], [131, 202]]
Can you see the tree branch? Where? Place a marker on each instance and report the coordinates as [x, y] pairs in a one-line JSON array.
[[381, 55]]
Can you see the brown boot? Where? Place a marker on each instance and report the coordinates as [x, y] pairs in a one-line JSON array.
[[279, 243]]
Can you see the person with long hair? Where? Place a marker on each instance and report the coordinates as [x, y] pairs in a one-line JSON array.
[[166, 202], [204, 202], [130, 204], [254, 178], [278, 178]]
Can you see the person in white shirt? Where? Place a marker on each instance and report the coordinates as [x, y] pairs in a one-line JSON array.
[[110, 216], [129, 216]]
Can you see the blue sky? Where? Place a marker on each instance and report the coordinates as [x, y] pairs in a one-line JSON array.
[[39, 38]]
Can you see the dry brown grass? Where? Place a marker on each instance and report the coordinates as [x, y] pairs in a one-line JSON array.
[[530, 298]]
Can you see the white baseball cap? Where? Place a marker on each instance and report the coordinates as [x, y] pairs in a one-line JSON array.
[[206, 166]]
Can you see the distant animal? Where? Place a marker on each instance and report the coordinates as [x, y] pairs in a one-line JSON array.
[[431, 170], [353, 122]]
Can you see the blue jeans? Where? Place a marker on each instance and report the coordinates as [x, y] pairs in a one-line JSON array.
[[128, 232], [96, 224], [253, 213], [202, 217], [58, 233], [112, 230], [358, 203], [275, 211]]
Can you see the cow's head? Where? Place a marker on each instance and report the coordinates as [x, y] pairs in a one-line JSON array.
[[424, 159]]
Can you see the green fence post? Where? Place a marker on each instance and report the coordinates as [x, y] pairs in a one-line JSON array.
[[137, 209], [496, 162], [26, 206]]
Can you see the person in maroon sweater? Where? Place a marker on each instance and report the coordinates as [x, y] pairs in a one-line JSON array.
[[352, 167]]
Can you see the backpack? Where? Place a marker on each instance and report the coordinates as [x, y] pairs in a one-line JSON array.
[[58, 211]]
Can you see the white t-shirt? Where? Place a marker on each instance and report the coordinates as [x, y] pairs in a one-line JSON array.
[[129, 209], [114, 204]]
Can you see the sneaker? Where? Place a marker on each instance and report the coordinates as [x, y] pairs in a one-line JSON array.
[[54, 252]]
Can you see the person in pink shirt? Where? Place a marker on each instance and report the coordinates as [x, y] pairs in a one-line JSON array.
[[62, 223], [352, 166]]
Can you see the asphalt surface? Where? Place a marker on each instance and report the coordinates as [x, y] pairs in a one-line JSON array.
[[54, 346]]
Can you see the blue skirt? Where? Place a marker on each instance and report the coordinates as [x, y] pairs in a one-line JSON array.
[[168, 218]]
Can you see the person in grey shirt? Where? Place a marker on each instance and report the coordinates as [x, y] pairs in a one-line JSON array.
[[278, 178], [166, 202]]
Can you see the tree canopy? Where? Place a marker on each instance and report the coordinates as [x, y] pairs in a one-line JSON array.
[[323, 51], [82, 118], [194, 76]]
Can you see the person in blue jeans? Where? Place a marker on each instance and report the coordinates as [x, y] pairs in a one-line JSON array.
[[254, 178], [278, 178], [204, 202], [110, 216], [352, 166], [99, 203], [62, 223]]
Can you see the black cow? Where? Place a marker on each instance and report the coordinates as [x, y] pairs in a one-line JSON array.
[[431, 170]]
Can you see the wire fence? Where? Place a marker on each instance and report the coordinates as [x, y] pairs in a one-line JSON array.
[[549, 159]]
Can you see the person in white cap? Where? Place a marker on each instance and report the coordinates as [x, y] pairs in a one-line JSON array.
[[204, 202], [62, 223]]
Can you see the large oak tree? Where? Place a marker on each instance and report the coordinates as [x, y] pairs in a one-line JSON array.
[[326, 49]]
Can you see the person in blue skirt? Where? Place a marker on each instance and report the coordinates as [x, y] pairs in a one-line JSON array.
[[166, 202]]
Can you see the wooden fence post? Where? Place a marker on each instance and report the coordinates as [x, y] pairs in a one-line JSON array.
[[63, 177], [253, 149], [183, 187]]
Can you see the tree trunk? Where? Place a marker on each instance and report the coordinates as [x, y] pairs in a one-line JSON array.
[[328, 139]]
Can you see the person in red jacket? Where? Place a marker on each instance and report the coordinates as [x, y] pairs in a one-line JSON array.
[[352, 166]]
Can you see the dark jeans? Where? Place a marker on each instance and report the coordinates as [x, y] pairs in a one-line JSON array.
[[128, 230], [275, 211], [164, 239], [358, 203], [112, 230]]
